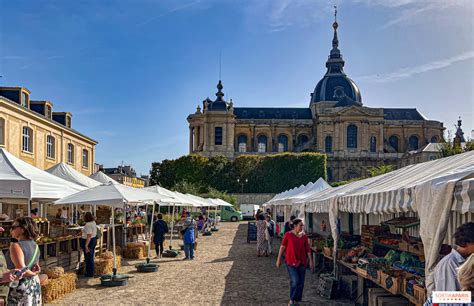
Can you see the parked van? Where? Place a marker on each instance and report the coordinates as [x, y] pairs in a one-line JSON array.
[[248, 211], [228, 213]]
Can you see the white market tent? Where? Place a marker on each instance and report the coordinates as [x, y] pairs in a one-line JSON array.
[[102, 178], [115, 196], [20, 180], [70, 174], [221, 202], [432, 189], [288, 200]]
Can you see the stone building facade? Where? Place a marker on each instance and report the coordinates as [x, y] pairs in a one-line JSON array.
[[125, 175], [31, 131], [353, 136]]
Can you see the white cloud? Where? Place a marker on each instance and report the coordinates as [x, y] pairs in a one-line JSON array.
[[408, 72], [175, 9]]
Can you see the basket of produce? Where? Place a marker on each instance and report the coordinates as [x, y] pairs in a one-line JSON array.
[[391, 280]]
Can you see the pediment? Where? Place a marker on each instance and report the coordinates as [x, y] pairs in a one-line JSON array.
[[360, 111]]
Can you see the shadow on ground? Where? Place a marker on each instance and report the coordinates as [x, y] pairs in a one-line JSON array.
[[257, 280]]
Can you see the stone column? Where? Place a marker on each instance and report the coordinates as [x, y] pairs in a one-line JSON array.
[[195, 138], [190, 139], [381, 139], [254, 141]]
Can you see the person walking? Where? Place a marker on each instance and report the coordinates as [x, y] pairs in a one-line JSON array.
[[262, 236], [271, 232], [289, 224], [88, 242], [295, 245], [24, 252], [188, 232], [160, 228]]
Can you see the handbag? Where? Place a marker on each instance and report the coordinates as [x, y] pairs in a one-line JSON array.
[[195, 245], [267, 235]]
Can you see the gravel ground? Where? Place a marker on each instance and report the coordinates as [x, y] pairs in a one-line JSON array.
[[226, 271]]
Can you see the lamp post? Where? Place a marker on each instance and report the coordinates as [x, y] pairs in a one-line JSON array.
[[242, 182]]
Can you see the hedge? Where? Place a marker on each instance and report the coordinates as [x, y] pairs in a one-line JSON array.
[[265, 174]]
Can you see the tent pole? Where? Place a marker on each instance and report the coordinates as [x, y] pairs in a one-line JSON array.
[[151, 230], [172, 228], [113, 242], [29, 207]]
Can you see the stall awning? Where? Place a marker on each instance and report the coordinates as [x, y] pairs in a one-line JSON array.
[[102, 178], [464, 196], [20, 180], [70, 174]]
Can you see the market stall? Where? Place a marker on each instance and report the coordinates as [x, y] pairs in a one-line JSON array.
[[404, 218], [114, 196], [22, 184]]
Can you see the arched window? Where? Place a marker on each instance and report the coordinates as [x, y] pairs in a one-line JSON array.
[[413, 142], [262, 143], [373, 144], [50, 146], [2, 131], [434, 139], [302, 139], [393, 140], [27, 143], [70, 153], [218, 136], [85, 158], [328, 144], [242, 143], [282, 143], [352, 136]]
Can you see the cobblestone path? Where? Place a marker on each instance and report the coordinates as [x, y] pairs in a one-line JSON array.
[[226, 271]]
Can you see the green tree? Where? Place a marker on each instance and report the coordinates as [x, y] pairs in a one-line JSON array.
[[375, 171]]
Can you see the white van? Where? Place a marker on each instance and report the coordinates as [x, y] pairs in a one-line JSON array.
[[248, 211]]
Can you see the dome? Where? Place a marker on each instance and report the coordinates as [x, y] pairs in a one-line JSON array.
[[336, 85]]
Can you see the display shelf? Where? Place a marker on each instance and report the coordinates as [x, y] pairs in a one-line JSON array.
[[377, 282]]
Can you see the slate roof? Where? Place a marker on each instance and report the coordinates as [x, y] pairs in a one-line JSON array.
[[402, 114], [272, 113]]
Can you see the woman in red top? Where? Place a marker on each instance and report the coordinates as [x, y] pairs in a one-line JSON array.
[[297, 252]]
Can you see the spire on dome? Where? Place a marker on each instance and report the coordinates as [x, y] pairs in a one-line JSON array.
[[335, 63], [459, 136], [219, 93]]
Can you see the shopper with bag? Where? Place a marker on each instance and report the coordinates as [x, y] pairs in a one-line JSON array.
[[271, 232], [189, 237], [24, 254]]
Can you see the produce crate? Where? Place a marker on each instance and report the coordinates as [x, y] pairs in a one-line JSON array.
[[373, 270], [391, 283], [362, 272], [327, 251], [419, 293], [342, 253]]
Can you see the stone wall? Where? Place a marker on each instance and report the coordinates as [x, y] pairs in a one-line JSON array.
[[253, 198]]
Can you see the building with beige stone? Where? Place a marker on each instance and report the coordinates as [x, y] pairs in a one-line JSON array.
[[353, 136], [33, 132]]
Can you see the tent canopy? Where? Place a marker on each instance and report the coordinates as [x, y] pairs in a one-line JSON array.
[[291, 197], [176, 198], [111, 194], [70, 174], [102, 178], [21, 180]]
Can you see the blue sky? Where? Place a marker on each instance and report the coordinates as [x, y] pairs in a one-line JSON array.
[[131, 71]]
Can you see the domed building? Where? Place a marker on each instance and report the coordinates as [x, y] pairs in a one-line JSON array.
[[353, 136]]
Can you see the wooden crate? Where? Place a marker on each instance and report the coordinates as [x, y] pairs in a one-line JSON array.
[[419, 293], [391, 283], [327, 251], [361, 272]]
